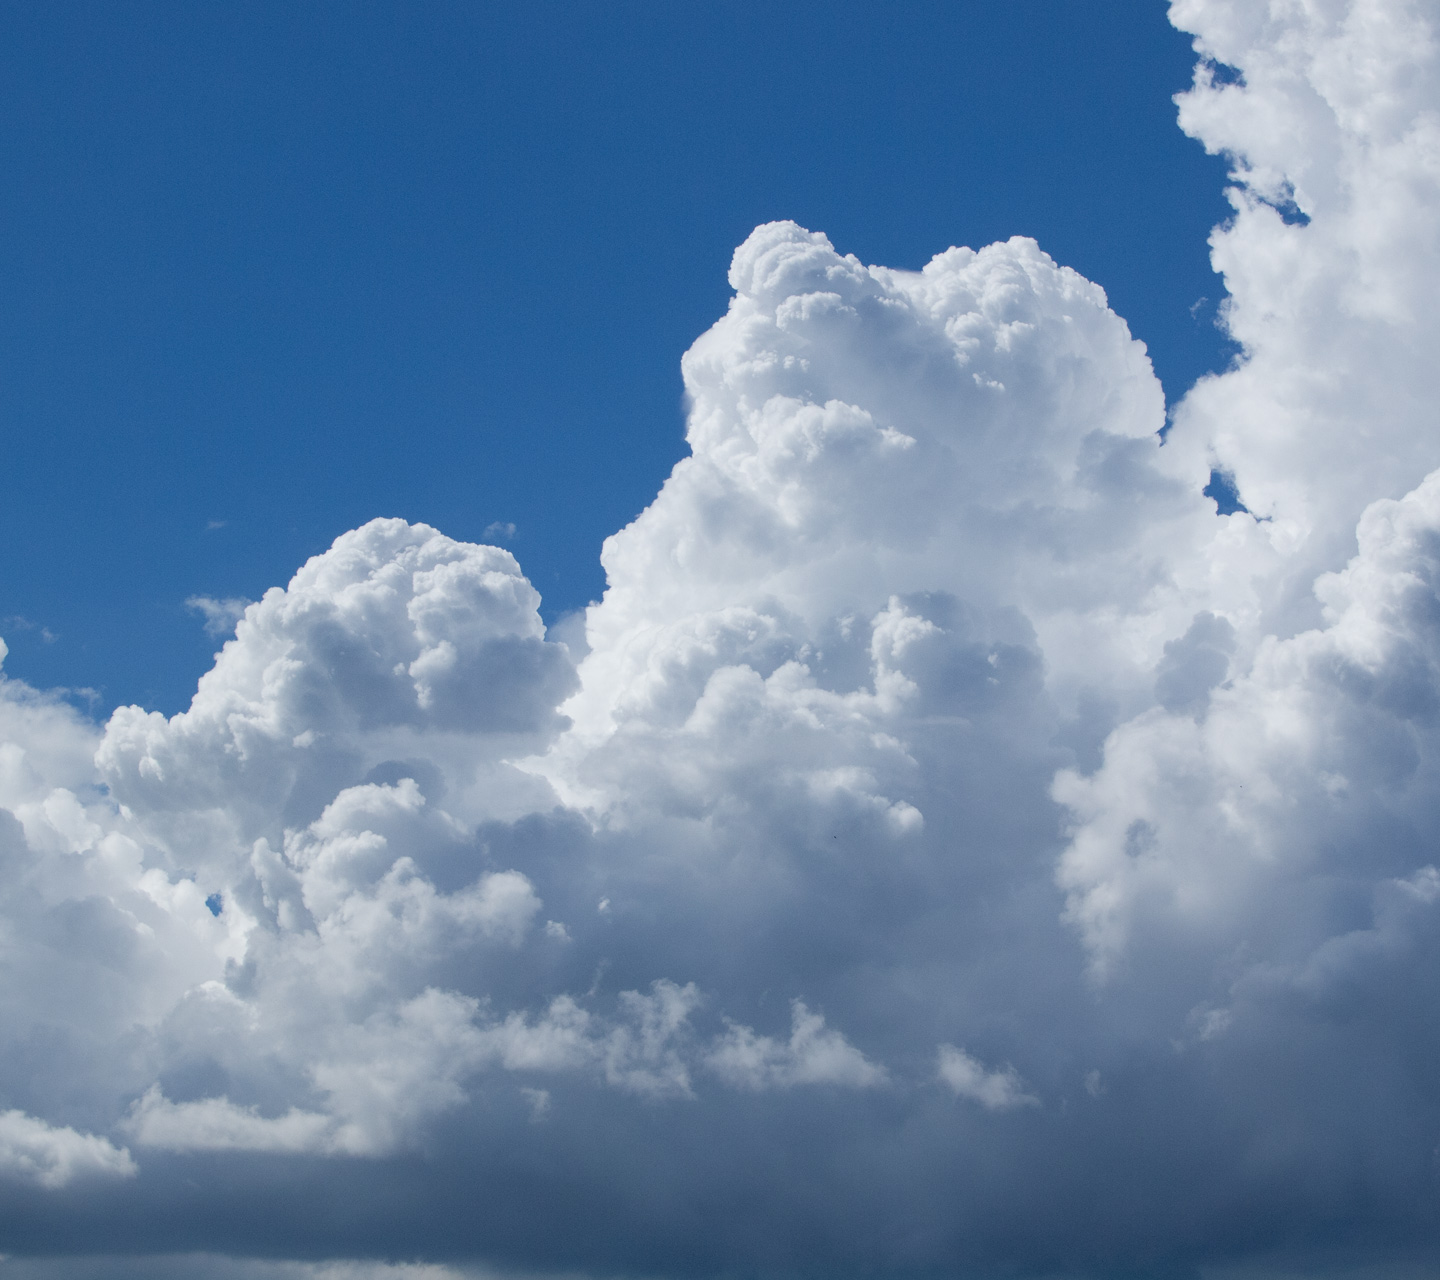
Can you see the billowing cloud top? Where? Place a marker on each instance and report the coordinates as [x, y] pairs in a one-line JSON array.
[[954, 847]]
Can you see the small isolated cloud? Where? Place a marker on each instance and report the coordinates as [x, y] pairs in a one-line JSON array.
[[51, 1157], [999, 1090], [499, 531], [220, 615], [17, 622], [814, 1054]]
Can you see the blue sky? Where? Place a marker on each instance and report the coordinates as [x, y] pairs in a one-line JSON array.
[[267, 271]]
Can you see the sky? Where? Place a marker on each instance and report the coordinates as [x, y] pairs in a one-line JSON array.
[[272, 270], [715, 643]]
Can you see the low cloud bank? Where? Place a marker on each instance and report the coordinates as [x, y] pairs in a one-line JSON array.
[[958, 847]]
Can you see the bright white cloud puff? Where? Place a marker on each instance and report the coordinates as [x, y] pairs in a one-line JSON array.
[[930, 704]]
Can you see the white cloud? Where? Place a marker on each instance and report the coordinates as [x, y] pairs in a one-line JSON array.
[[1330, 409], [998, 1090], [217, 1124], [220, 615], [644, 1049], [814, 1054], [51, 1157]]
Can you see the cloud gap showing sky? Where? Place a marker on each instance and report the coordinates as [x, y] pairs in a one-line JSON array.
[[957, 843]]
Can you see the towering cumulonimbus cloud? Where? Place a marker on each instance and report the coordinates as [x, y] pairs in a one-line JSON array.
[[953, 847]]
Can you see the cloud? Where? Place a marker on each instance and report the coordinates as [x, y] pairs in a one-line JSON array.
[[221, 1267], [1332, 136], [217, 1124], [813, 1055], [1209, 823], [17, 622], [993, 1090], [51, 1157], [220, 615], [931, 691]]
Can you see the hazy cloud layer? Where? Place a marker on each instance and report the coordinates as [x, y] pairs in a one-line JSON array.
[[955, 846]]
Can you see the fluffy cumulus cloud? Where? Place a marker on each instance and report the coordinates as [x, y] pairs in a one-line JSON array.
[[955, 847], [35, 1152]]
